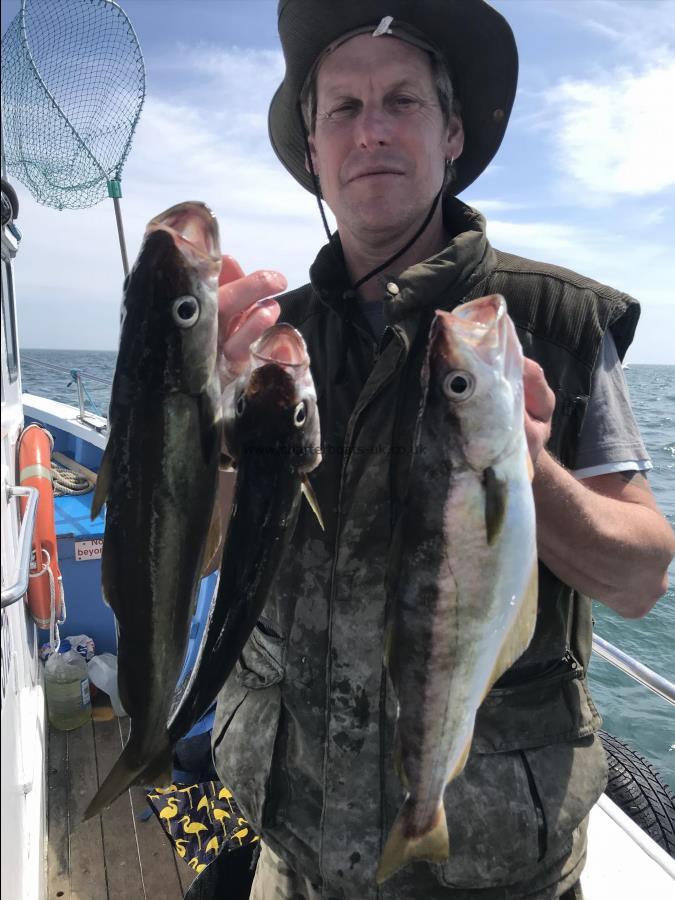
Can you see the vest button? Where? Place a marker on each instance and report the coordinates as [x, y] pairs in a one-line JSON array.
[[392, 288]]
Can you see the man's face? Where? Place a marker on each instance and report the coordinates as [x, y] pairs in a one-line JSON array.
[[380, 142]]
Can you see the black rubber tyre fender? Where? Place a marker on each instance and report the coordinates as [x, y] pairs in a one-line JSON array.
[[638, 789]]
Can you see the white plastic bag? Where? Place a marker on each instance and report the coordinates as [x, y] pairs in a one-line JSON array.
[[103, 673]]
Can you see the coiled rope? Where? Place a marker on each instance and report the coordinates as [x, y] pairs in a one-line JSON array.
[[66, 481]]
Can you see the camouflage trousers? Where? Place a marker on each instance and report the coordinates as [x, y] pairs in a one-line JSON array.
[[274, 880]]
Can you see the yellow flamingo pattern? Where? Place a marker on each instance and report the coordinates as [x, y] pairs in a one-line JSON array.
[[208, 817]]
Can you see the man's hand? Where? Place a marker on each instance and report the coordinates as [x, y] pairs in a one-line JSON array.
[[539, 406], [245, 311]]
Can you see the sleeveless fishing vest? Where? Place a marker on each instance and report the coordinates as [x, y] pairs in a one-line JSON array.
[[304, 727]]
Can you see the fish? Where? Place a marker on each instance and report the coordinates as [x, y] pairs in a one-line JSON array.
[[273, 436], [159, 477], [463, 604]]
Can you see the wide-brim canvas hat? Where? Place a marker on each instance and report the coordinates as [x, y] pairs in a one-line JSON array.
[[473, 39]]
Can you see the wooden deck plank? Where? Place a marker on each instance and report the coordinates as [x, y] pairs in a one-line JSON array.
[[58, 846], [186, 874], [159, 863], [125, 881], [87, 863], [158, 860]]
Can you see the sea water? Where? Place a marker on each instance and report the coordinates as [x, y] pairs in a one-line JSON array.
[[630, 711]]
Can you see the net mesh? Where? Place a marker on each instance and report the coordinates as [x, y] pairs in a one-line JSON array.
[[73, 85]]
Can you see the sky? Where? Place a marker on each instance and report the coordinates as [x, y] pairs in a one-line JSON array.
[[584, 178]]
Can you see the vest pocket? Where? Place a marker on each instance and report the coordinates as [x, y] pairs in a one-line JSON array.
[[495, 825], [247, 722], [263, 660], [512, 815]]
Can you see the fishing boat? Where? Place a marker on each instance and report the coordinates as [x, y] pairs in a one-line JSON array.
[[48, 775]]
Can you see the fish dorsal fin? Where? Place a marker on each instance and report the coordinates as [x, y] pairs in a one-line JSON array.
[[310, 496], [496, 493], [102, 485], [214, 538], [520, 634]]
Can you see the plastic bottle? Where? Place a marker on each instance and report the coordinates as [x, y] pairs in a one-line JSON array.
[[67, 689]]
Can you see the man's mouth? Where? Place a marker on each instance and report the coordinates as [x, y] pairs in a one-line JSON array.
[[371, 173]]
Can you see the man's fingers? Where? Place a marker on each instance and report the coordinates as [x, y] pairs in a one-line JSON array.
[[261, 317], [236, 296], [230, 270], [539, 398]]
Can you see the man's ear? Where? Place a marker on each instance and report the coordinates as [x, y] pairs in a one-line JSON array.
[[312, 150], [455, 137]]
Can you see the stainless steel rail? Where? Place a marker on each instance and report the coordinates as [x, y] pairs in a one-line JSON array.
[[18, 589], [639, 672], [63, 370], [78, 377]]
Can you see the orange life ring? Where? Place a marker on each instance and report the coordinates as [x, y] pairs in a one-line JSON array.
[[35, 450]]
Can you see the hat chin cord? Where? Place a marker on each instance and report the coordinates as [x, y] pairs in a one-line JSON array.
[[406, 247]]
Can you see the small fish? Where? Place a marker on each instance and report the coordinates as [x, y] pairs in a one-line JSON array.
[[466, 599], [159, 476], [272, 435]]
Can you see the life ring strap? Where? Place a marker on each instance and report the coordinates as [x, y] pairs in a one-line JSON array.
[[37, 470]]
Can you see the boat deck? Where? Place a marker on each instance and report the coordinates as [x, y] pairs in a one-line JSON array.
[[114, 856]]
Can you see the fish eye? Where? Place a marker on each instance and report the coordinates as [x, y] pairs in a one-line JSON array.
[[240, 405], [459, 385], [185, 311], [300, 414]]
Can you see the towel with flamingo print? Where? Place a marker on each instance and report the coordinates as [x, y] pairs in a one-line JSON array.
[[200, 820]]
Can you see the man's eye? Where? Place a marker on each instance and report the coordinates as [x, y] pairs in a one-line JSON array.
[[342, 110], [403, 103]]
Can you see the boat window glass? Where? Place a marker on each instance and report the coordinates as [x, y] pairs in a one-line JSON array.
[[9, 321]]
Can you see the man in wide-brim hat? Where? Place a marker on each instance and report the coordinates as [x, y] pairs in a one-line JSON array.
[[388, 109]]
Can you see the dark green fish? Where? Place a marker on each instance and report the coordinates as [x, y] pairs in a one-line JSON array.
[[272, 434], [159, 477]]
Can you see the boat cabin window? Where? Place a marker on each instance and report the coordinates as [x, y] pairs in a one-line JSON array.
[[8, 320]]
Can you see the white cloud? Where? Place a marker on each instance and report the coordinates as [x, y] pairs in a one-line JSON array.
[[490, 206], [634, 30], [615, 136]]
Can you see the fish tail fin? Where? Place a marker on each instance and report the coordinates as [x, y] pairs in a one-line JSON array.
[[433, 845], [126, 773]]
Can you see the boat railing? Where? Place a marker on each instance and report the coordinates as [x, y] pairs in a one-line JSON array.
[[77, 377], [17, 590], [636, 670]]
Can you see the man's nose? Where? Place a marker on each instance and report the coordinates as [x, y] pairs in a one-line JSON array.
[[373, 128]]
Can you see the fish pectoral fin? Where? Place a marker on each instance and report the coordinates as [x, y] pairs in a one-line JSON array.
[[310, 496], [520, 634], [496, 494], [226, 463], [102, 486], [433, 845]]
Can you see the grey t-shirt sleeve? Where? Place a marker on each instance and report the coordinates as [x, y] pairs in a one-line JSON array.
[[610, 439]]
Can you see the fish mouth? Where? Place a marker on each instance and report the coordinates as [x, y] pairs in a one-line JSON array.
[[194, 229], [479, 325], [283, 345]]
